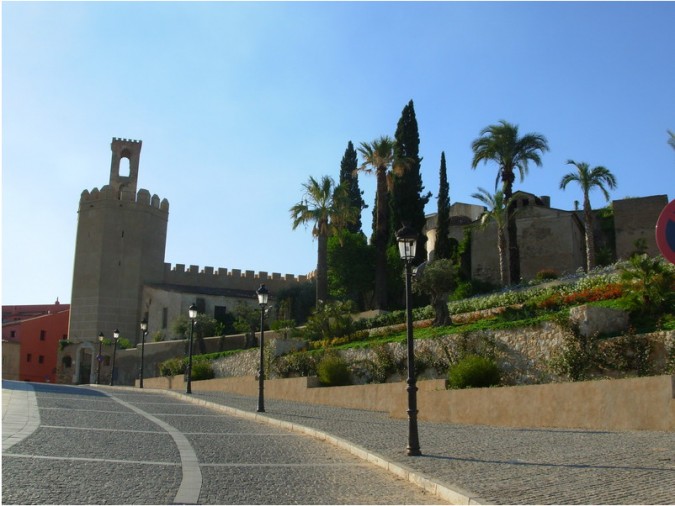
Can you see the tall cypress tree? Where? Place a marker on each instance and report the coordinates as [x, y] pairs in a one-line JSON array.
[[348, 166], [443, 248], [407, 200]]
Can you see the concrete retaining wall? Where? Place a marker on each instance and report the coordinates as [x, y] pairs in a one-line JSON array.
[[626, 404]]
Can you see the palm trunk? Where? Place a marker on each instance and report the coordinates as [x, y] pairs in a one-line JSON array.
[[501, 247], [381, 240], [590, 244], [511, 229], [322, 270]]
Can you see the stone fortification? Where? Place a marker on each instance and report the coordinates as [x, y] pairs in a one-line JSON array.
[[234, 279], [635, 220], [107, 192], [120, 245]]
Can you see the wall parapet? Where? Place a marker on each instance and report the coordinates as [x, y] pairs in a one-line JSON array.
[[142, 197], [193, 275], [195, 272]]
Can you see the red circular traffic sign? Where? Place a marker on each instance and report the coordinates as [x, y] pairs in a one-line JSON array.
[[665, 232]]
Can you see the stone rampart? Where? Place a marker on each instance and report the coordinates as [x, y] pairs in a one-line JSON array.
[[635, 219], [107, 192], [234, 279]]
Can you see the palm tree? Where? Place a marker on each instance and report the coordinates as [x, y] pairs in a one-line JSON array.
[[379, 158], [671, 140], [500, 143], [327, 207], [496, 211], [588, 178]]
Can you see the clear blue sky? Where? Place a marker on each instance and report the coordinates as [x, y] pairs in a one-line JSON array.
[[237, 104]]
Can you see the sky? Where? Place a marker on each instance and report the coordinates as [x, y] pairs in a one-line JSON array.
[[237, 104]]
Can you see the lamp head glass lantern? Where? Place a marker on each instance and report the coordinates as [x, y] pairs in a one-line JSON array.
[[116, 334], [262, 294], [192, 311], [407, 242], [101, 337], [144, 325]]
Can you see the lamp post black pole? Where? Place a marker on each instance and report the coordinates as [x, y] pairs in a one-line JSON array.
[[262, 294], [99, 358], [413, 448], [407, 245], [144, 330], [116, 336], [189, 367]]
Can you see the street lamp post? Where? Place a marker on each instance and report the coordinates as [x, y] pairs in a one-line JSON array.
[[192, 313], [263, 295], [99, 358], [116, 336], [144, 331], [407, 240]]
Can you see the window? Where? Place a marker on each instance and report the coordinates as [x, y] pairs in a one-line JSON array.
[[12, 333], [28, 357], [41, 359], [43, 334], [201, 305], [125, 165], [67, 362]]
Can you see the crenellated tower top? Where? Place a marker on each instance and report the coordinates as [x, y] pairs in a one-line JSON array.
[[124, 181]]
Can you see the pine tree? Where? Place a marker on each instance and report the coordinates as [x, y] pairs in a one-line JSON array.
[[407, 200], [443, 248], [349, 179]]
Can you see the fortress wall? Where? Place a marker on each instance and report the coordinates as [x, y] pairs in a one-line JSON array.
[[234, 279], [120, 244], [636, 219]]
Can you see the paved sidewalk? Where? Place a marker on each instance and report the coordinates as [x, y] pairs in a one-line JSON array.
[[492, 465], [20, 414]]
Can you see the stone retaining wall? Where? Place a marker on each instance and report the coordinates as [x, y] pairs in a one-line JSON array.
[[627, 404]]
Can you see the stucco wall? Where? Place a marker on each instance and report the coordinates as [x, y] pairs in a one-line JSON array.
[[628, 404]]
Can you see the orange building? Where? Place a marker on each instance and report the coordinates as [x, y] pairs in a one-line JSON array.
[[38, 340], [26, 311]]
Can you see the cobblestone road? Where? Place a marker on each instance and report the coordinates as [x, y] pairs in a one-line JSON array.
[[150, 448], [503, 465]]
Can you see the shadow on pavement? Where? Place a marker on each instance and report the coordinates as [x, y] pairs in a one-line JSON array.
[[50, 388]]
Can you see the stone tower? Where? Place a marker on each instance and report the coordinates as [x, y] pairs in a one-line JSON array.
[[120, 244]]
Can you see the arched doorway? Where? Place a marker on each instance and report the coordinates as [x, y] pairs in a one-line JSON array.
[[85, 363]]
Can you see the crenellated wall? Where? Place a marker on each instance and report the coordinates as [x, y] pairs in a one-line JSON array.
[[234, 279], [107, 192]]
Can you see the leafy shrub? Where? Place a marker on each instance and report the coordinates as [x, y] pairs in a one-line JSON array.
[[650, 284], [579, 352], [333, 371], [300, 363], [626, 353], [546, 274], [202, 370], [172, 367], [474, 371], [359, 335], [285, 327], [385, 363], [330, 320]]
